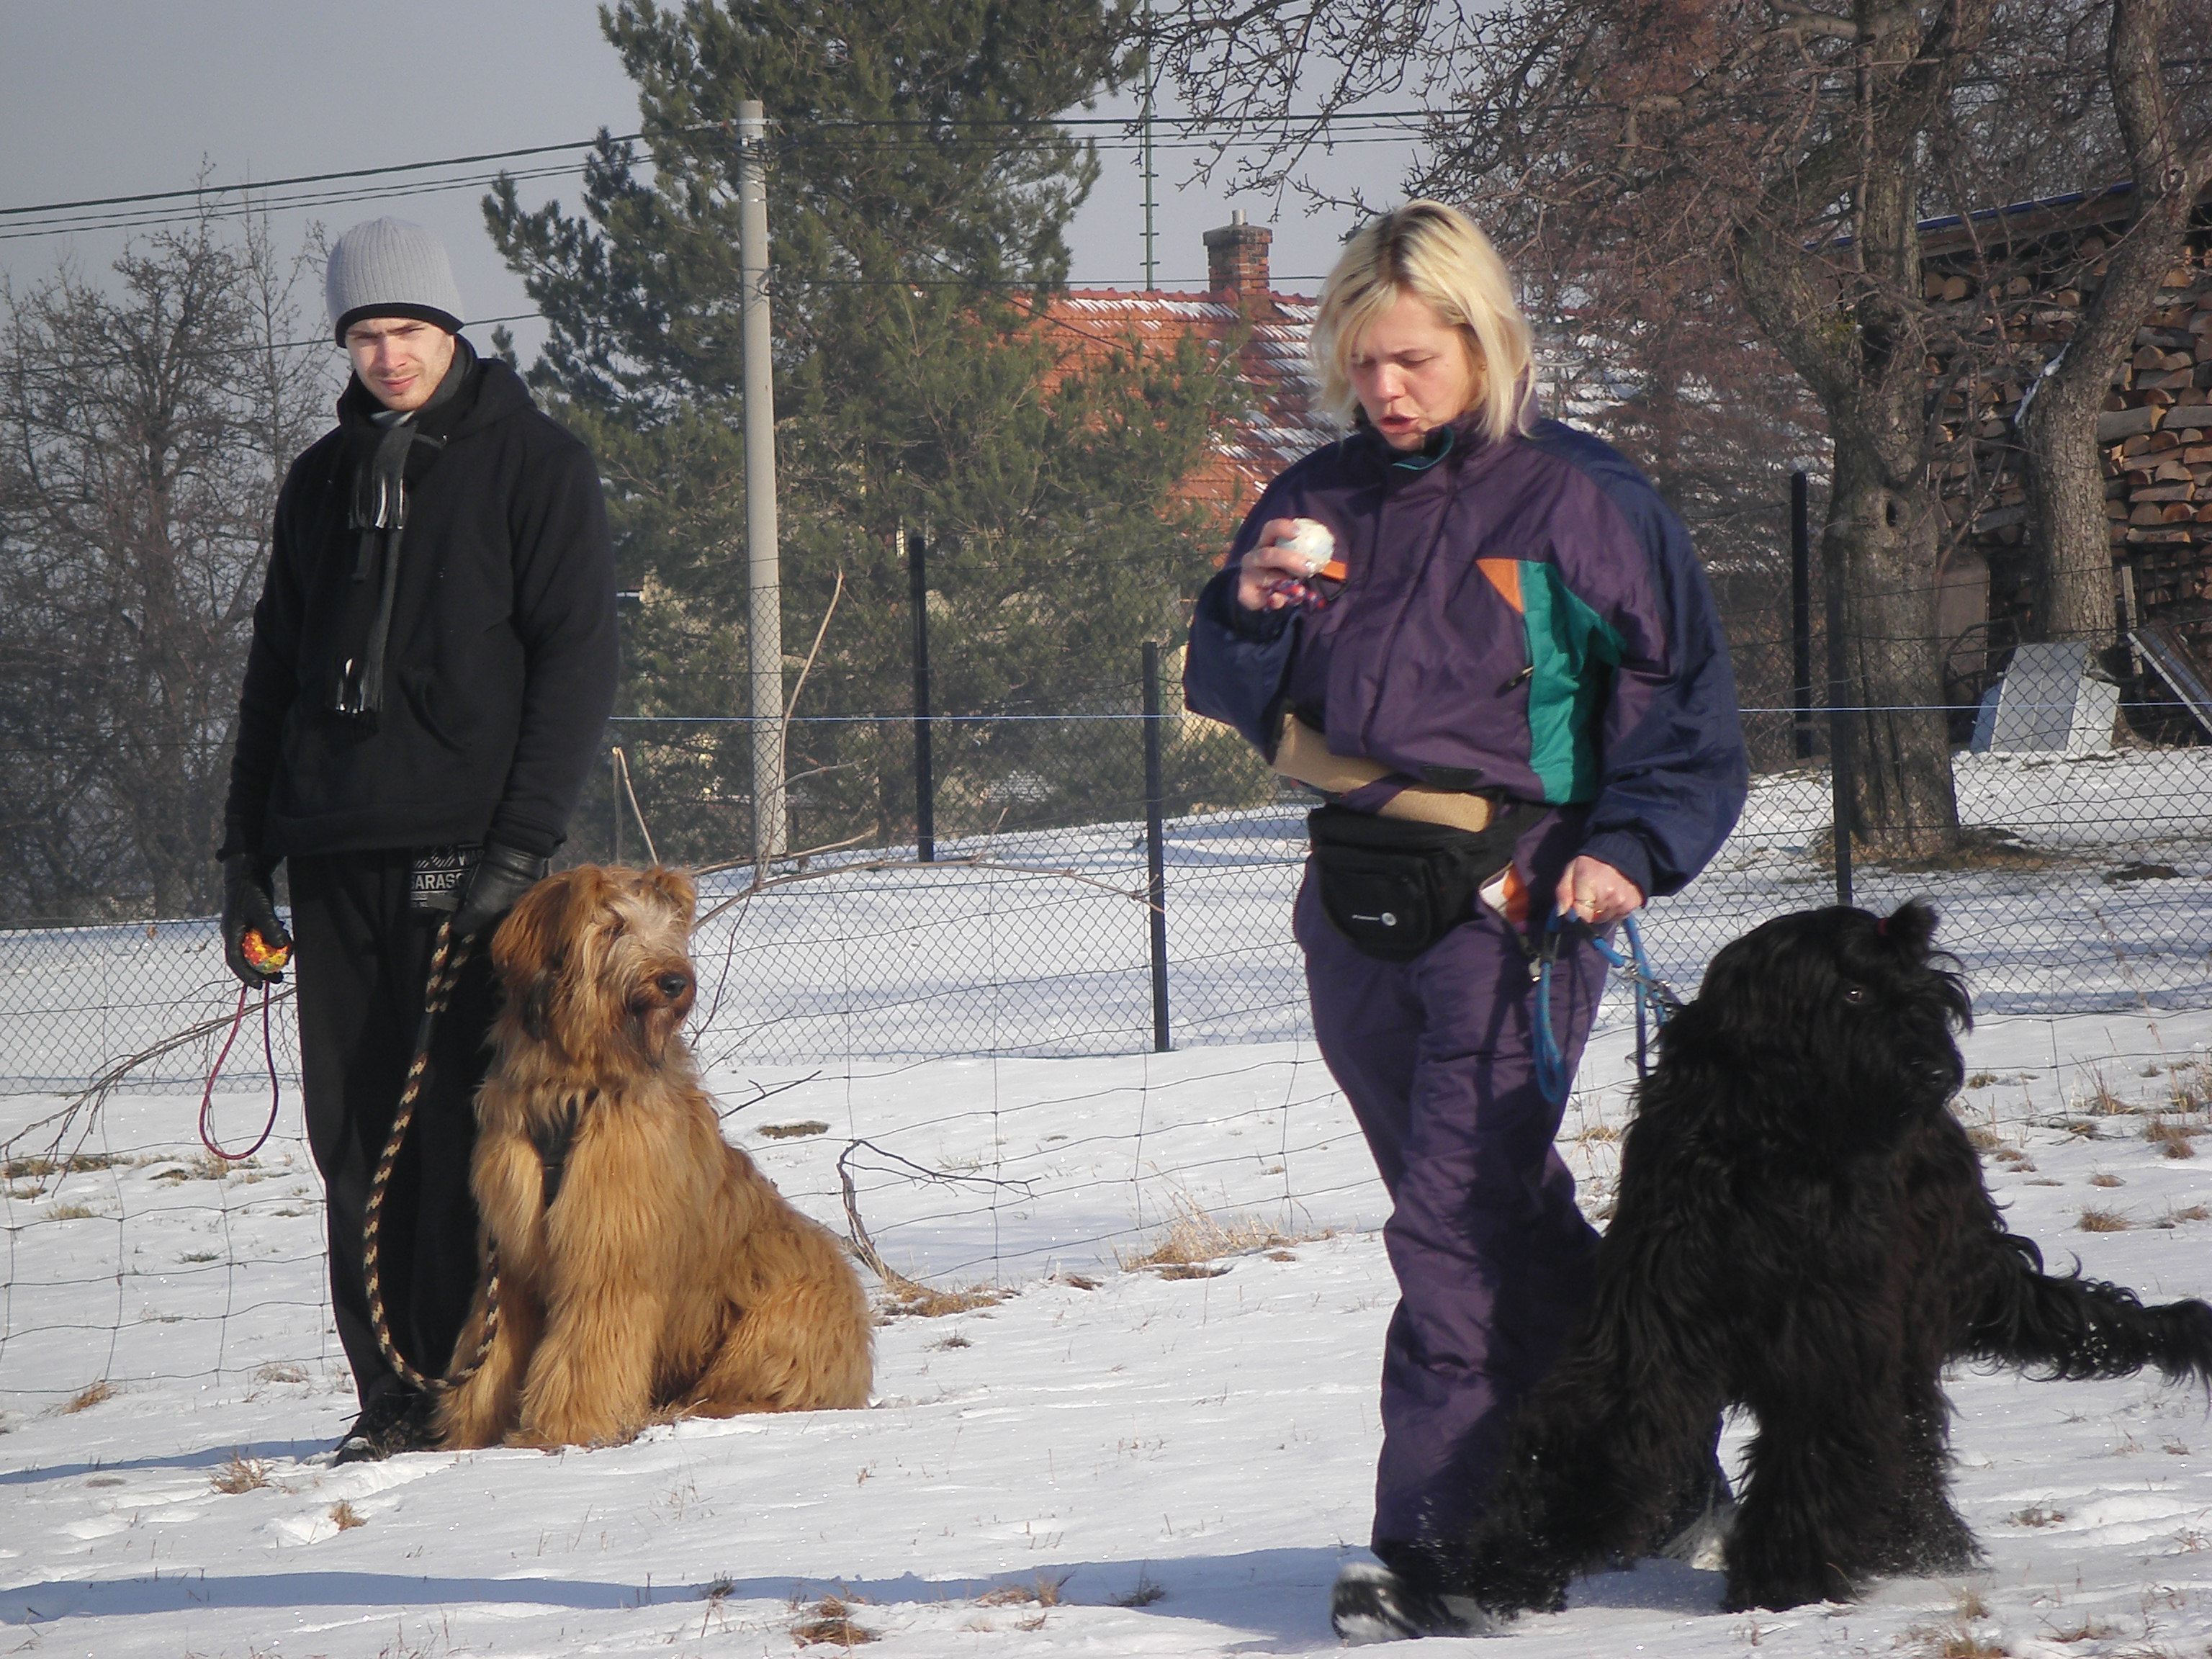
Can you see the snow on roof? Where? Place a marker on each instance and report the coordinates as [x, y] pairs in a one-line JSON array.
[[1282, 423]]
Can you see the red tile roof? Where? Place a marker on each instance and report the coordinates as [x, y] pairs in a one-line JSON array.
[[1282, 423]]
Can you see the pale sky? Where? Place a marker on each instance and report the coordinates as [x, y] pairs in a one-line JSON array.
[[112, 97]]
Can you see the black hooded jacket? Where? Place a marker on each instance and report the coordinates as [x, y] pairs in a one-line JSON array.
[[500, 671]]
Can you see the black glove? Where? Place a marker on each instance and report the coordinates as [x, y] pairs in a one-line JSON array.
[[249, 905], [503, 876]]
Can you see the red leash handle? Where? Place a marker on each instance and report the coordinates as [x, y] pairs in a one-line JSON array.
[[207, 1094]]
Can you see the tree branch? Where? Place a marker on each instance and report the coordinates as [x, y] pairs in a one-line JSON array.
[[1810, 20]]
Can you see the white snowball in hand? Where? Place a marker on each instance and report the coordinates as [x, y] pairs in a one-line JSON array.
[[1312, 543]]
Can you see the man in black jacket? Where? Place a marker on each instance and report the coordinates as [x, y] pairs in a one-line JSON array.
[[433, 665]]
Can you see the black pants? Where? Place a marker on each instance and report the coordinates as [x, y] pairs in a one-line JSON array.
[[363, 957]]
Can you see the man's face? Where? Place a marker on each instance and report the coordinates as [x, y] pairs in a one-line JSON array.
[[399, 359]]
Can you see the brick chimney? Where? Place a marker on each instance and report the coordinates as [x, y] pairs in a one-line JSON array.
[[1237, 264]]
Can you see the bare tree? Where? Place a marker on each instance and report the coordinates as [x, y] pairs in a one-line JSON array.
[[1691, 389], [1777, 156], [2161, 117], [147, 425]]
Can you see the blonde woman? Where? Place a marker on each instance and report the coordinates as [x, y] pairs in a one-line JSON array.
[[1485, 640]]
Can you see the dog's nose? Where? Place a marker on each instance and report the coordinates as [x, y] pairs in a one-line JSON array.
[[673, 986]]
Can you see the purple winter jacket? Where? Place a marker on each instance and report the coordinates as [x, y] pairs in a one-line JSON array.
[[1522, 617]]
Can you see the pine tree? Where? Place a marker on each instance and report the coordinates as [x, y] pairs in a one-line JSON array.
[[919, 193]]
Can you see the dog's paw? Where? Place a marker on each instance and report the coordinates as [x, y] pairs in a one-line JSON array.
[[1939, 1545], [1792, 1590], [1701, 1539]]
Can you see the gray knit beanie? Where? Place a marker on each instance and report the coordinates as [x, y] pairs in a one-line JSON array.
[[390, 267]]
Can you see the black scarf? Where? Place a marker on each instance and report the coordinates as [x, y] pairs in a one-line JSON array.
[[385, 459]]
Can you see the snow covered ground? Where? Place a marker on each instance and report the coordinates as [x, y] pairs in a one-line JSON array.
[[1105, 1462], [1159, 1466]]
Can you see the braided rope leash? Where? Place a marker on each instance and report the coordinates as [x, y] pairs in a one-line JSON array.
[[207, 1094], [446, 961]]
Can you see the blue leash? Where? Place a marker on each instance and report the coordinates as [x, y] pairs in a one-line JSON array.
[[1656, 1001]]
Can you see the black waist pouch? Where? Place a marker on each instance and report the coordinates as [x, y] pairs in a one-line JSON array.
[[1393, 886]]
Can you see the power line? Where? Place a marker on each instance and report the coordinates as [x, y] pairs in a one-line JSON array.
[[150, 219], [153, 218], [1187, 124], [301, 179], [1287, 117]]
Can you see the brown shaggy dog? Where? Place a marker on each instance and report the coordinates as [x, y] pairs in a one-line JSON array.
[[646, 1269]]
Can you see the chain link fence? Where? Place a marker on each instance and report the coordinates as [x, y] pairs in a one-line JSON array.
[[892, 1007], [2084, 881]]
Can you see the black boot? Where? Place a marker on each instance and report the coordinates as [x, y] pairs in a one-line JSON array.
[[396, 1420], [1371, 1603]]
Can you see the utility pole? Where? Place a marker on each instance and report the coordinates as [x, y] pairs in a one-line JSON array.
[[764, 577]]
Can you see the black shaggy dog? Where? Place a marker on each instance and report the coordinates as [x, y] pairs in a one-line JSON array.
[[1801, 1230]]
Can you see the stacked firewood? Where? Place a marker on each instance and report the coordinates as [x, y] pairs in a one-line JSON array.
[[2157, 430], [2155, 434]]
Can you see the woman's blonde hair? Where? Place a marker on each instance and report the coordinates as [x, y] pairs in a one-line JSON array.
[[1440, 254]]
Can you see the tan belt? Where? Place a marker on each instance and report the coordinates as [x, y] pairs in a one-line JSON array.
[[1303, 754]]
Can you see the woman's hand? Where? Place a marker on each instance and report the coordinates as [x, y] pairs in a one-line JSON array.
[[1269, 564], [1594, 890]]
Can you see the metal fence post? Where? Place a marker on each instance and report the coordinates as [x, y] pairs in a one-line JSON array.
[[1800, 613], [1156, 881], [1841, 703], [925, 770]]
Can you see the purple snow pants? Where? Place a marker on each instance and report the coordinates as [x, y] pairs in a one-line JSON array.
[[1492, 1258]]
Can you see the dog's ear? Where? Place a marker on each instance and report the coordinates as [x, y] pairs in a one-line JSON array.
[[674, 886], [1762, 992], [526, 951], [1911, 930], [1911, 927], [529, 936]]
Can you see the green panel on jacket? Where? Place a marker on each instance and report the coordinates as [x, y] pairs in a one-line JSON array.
[[1570, 647]]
